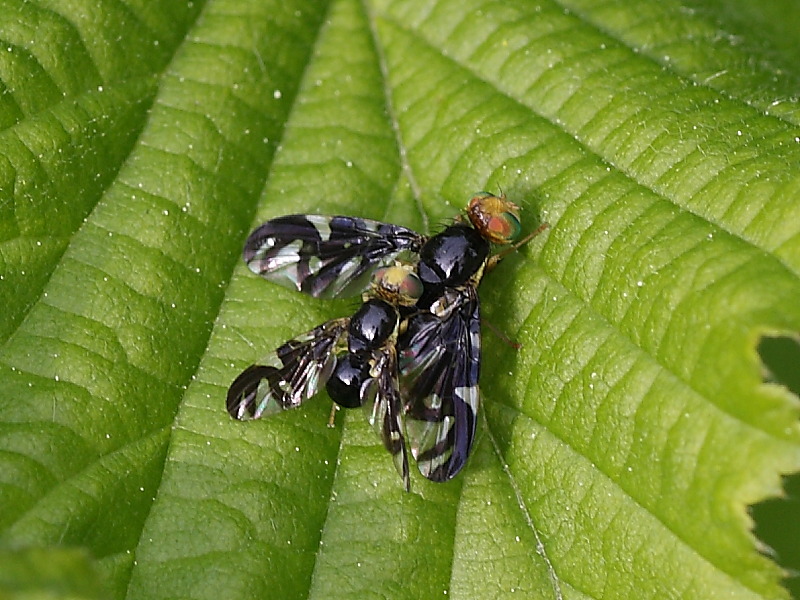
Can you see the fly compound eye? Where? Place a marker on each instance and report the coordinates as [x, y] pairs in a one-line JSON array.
[[398, 285], [505, 227], [411, 288]]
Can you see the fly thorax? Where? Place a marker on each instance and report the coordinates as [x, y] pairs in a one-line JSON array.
[[452, 257]]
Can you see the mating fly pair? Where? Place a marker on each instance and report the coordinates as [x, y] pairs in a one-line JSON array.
[[411, 354]]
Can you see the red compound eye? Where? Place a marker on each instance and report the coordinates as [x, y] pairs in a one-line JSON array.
[[411, 287], [505, 226]]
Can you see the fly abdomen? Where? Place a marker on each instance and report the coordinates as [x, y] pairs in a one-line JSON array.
[[347, 378], [372, 325]]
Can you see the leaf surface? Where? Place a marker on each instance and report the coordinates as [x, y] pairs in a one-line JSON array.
[[619, 449]]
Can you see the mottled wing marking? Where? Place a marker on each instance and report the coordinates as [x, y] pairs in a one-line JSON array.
[[384, 409], [323, 256], [439, 372], [293, 374]]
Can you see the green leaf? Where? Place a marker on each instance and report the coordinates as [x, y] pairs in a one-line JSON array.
[[619, 449], [44, 573]]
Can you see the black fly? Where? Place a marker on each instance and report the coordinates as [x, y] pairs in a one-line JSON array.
[[354, 358], [440, 350]]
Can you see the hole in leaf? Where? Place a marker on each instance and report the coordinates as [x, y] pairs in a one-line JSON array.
[[777, 524], [780, 356], [777, 520]]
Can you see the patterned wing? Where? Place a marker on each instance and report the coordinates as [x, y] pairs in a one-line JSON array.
[[381, 401], [294, 373], [326, 257], [440, 355]]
